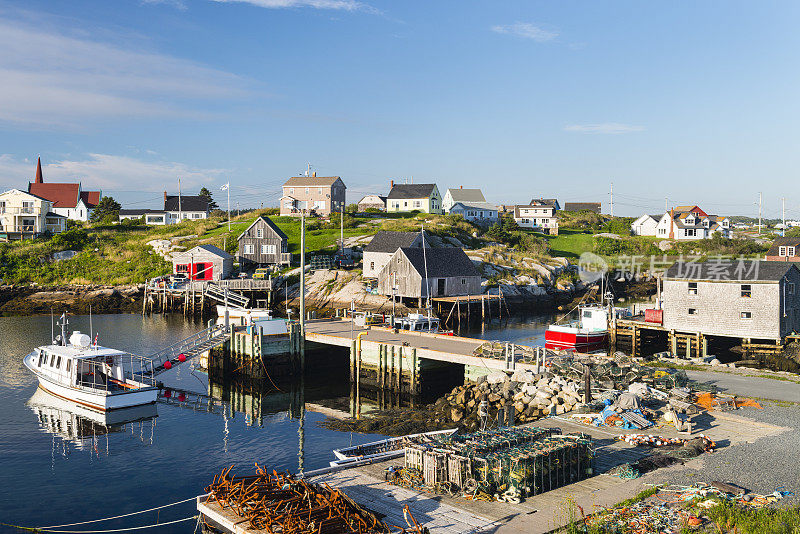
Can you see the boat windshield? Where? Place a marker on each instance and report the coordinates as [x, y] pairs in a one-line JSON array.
[[113, 372]]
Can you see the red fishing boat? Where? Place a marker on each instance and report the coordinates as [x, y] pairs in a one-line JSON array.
[[589, 333]]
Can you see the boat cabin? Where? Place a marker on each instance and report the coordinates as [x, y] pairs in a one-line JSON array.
[[416, 322], [595, 318], [82, 365]]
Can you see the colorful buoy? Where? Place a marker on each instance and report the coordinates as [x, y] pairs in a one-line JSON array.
[[167, 365], [181, 357]]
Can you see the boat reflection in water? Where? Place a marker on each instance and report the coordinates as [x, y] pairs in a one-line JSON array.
[[90, 430]]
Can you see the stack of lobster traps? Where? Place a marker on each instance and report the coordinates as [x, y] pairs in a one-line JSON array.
[[525, 460]]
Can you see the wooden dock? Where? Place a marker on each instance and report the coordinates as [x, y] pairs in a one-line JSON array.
[[444, 514]]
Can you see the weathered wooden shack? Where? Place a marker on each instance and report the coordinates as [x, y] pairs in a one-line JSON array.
[[442, 272], [747, 299], [203, 262], [383, 245], [263, 243]]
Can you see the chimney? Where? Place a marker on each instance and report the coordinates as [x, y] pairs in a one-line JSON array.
[[461, 187], [39, 179], [671, 223], [391, 184], [165, 196], [314, 174]]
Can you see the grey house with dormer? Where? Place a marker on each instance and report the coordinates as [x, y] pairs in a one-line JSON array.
[[379, 251]]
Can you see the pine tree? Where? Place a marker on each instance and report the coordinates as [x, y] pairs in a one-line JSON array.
[[206, 194], [107, 210]]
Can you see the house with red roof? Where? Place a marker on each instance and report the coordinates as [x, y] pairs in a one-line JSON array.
[[68, 199]]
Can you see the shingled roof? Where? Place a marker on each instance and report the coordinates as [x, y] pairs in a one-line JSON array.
[[783, 242], [411, 191], [187, 203], [729, 270], [310, 181], [269, 223], [466, 195], [442, 262], [385, 241], [61, 195], [590, 206]]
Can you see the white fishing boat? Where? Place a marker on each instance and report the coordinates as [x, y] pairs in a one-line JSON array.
[[236, 314], [79, 424], [384, 449], [95, 377], [417, 322]]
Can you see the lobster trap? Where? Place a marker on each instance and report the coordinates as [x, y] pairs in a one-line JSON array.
[[530, 460]]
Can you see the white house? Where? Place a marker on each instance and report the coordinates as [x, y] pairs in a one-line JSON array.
[[688, 223], [461, 195], [645, 225], [539, 216], [411, 197], [23, 215], [184, 207], [67, 199], [479, 212]]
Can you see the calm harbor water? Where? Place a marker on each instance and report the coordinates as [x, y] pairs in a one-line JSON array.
[[49, 476]]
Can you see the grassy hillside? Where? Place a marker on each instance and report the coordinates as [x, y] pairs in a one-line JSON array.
[[119, 254]]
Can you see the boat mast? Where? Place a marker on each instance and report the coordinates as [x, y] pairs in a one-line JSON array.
[[63, 324], [427, 282]]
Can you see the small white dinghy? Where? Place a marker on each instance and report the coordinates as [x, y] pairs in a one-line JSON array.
[[95, 377]]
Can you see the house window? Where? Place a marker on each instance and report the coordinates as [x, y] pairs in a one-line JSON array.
[[69, 365], [2, 207], [746, 291], [248, 249], [405, 204], [463, 281], [268, 249], [781, 251], [790, 251], [398, 261], [746, 315], [260, 233], [291, 190], [693, 288], [417, 204], [307, 190], [790, 288], [691, 232], [319, 191], [372, 265], [692, 311]]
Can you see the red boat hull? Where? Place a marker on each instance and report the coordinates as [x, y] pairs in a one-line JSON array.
[[577, 341]]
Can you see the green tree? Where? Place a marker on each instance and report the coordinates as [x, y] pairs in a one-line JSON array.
[[206, 194], [107, 210]]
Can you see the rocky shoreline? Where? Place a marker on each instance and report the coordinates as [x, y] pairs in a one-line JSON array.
[[39, 300]]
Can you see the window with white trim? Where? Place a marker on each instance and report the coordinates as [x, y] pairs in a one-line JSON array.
[[268, 249], [260, 233], [781, 251], [790, 251], [746, 315], [248, 248]]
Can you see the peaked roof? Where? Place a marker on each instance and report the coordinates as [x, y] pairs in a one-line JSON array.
[[310, 181], [694, 209], [269, 223], [39, 179], [208, 248], [783, 242], [143, 211], [187, 203], [441, 262], [24, 193], [90, 198], [61, 195], [466, 195], [411, 191], [729, 270], [476, 205], [590, 206], [545, 202], [386, 241]]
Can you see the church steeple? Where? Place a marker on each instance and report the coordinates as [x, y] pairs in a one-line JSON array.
[[39, 179]]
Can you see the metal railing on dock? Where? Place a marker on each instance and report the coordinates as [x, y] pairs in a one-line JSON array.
[[185, 349]]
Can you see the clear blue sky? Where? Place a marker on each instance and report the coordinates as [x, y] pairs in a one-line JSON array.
[[693, 101]]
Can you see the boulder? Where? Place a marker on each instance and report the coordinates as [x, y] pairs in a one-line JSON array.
[[456, 414]]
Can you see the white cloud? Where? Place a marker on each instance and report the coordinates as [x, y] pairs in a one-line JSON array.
[[109, 172], [603, 128], [526, 30], [345, 5], [52, 79]]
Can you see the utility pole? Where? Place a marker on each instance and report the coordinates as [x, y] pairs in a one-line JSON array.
[[180, 210], [341, 241], [666, 204], [302, 290], [783, 216], [612, 199], [759, 213], [227, 187]]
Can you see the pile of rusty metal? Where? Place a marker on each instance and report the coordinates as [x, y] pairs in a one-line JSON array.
[[280, 503]]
